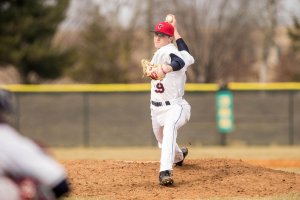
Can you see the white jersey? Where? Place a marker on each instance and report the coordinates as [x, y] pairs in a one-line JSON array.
[[19, 156], [8, 189], [172, 86]]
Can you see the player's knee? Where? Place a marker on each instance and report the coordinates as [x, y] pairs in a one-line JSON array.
[[176, 123]]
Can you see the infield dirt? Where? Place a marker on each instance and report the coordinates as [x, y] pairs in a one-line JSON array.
[[198, 178]]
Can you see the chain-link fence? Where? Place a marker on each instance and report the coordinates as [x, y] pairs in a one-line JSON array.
[[123, 118]]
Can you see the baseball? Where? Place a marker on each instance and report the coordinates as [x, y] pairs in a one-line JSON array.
[[169, 18]]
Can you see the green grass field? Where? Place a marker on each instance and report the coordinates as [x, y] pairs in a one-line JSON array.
[[152, 153]]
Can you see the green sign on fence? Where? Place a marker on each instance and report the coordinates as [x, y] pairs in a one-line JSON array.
[[224, 109]]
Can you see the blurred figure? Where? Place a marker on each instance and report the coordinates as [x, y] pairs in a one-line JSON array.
[[9, 190], [27, 171]]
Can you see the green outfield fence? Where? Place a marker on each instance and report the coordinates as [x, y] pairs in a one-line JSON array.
[[119, 115]]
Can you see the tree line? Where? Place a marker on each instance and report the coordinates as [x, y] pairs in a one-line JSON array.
[[231, 40]]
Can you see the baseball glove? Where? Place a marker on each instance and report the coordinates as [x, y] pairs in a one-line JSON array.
[[151, 70]]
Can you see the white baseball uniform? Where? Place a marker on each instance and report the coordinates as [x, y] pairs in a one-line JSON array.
[[169, 110], [8, 189], [21, 157]]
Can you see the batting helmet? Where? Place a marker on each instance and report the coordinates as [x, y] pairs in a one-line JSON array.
[[5, 101]]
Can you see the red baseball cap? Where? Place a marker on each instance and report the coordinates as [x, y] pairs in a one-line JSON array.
[[164, 28]]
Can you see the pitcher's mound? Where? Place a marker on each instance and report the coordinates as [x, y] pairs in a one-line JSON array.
[[196, 179]]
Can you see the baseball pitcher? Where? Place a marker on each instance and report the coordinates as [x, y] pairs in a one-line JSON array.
[[169, 110]]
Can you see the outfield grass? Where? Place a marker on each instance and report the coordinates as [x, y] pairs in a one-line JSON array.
[[153, 153]]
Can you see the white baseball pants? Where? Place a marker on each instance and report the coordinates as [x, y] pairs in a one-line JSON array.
[[166, 120]]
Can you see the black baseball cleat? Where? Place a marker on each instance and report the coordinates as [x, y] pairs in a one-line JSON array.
[[185, 152], [165, 178]]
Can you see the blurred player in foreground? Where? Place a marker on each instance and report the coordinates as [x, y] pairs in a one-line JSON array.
[[169, 110], [27, 171]]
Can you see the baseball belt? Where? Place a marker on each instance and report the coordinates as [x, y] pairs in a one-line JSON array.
[[158, 104], [166, 103]]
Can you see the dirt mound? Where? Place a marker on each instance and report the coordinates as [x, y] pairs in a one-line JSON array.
[[196, 179]]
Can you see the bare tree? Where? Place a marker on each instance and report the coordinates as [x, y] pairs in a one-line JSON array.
[[231, 40], [288, 69], [219, 33], [269, 25]]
